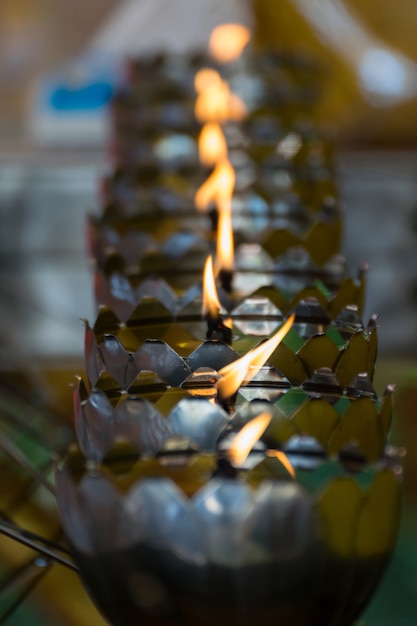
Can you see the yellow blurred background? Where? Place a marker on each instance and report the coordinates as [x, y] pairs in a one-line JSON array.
[[370, 52]]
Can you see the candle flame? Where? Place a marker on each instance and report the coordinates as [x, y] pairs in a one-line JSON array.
[[227, 42], [206, 78], [244, 441], [219, 186], [212, 145], [215, 102], [224, 244], [211, 303], [245, 368], [282, 458]]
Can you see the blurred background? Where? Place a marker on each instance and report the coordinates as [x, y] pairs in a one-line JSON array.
[[59, 61]]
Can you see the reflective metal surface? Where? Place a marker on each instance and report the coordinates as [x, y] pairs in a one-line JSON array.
[[255, 549], [334, 416]]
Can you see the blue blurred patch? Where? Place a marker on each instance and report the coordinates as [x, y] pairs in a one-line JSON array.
[[85, 98]]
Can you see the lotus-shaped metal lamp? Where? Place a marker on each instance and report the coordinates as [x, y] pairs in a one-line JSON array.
[[185, 538]]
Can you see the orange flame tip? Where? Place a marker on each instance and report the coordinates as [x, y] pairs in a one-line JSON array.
[[214, 102], [227, 42], [212, 145], [224, 244], [245, 368], [206, 78], [282, 458], [237, 108], [219, 185], [244, 441], [211, 303]]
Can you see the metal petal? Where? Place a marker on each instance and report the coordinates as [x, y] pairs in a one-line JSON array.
[[316, 418], [200, 420], [141, 424], [375, 539], [93, 424], [88, 511], [360, 425], [93, 361], [159, 357], [339, 506], [117, 361], [283, 554], [221, 509], [158, 515]]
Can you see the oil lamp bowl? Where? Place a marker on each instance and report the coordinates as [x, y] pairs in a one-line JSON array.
[[274, 81], [174, 346], [293, 279], [150, 411], [132, 192], [134, 241], [175, 541]]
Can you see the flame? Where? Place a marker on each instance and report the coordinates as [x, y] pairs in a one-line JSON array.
[[224, 244], [245, 368], [215, 102], [217, 187], [206, 78], [211, 303], [282, 458], [212, 145], [227, 42], [244, 441]]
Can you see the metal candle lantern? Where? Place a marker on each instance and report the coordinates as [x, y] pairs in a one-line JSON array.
[[276, 227], [170, 180], [164, 528], [155, 133], [174, 540], [284, 254], [336, 417], [344, 344]]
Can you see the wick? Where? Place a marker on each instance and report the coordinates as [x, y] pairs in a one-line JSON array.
[[224, 468], [226, 279], [217, 329], [227, 403], [214, 219]]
